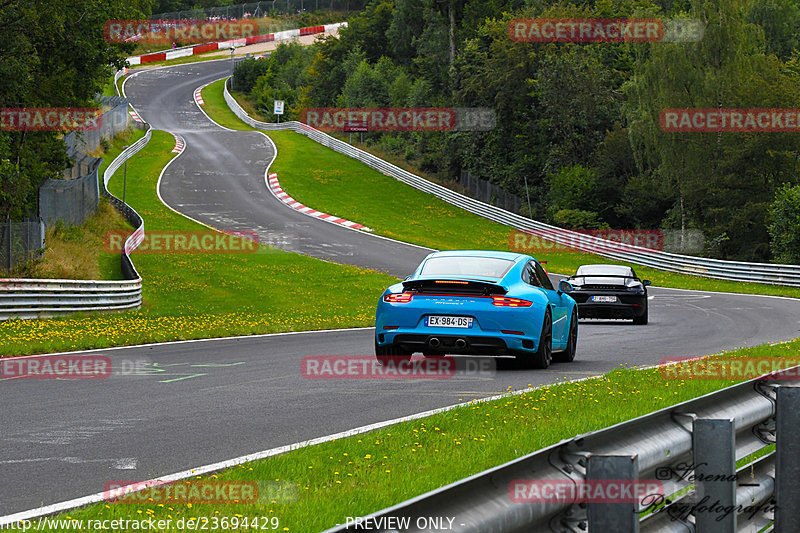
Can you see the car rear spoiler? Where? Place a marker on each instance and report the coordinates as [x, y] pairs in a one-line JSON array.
[[453, 286], [603, 276]]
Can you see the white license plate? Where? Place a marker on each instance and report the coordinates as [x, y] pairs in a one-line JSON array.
[[604, 299], [448, 321]]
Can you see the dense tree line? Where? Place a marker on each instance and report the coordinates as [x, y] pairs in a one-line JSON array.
[[52, 54], [580, 121]]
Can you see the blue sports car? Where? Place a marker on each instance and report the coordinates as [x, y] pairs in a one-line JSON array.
[[478, 302]]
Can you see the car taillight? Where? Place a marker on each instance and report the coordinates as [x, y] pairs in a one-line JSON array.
[[503, 301], [401, 298]]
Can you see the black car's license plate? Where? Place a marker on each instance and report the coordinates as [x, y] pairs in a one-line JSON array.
[[604, 299]]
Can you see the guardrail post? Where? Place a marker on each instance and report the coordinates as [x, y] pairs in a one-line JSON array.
[[787, 462], [715, 475], [620, 517]]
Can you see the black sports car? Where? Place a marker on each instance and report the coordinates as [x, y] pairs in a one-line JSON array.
[[610, 291]]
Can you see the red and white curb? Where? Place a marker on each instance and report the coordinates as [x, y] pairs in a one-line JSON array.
[[198, 97], [277, 192], [180, 144], [225, 45], [135, 116]]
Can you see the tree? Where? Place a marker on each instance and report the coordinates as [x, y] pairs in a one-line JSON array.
[[38, 70], [784, 229], [574, 194], [723, 182]]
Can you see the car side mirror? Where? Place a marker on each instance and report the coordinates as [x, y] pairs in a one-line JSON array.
[[409, 277], [646, 282], [565, 286]]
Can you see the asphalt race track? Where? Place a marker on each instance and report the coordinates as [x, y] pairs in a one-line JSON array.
[[219, 178], [196, 403]]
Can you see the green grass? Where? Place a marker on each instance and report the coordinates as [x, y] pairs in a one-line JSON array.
[[189, 296], [368, 472], [108, 88], [334, 183], [77, 251]]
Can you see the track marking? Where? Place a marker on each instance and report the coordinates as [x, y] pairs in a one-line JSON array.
[[274, 187], [198, 97], [180, 143], [184, 377]]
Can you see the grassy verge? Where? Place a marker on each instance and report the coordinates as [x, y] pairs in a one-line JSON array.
[[331, 182], [364, 473], [108, 88], [206, 295], [77, 252]]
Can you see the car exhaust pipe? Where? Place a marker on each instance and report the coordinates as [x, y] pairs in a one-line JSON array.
[[461, 344], [434, 342]]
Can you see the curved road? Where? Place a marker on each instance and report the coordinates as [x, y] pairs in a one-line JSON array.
[[206, 401], [219, 179]]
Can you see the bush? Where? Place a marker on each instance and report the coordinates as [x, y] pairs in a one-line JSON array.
[[784, 230], [247, 72], [578, 219], [574, 187]]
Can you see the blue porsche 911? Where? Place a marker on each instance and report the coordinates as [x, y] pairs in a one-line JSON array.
[[478, 303]]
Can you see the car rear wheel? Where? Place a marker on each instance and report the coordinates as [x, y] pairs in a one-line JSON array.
[[390, 354], [544, 354], [641, 320], [568, 355]]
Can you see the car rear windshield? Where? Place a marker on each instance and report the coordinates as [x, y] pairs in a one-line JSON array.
[[484, 267], [605, 270]]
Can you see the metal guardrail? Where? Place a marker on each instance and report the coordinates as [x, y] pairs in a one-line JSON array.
[[39, 298], [684, 264], [688, 450]]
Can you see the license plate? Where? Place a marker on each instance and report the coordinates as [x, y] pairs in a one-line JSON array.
[[604, 299], [448, 321]]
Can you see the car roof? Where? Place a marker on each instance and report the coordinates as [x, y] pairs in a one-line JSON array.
[[493, 254]]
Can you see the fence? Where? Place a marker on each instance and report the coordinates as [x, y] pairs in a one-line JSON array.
[[74, 198], [128, 269], [20, 242], [262, 9], [671, 262], [70, 200], [489, 193], [37, 298], [688, 451], [114, 121]]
